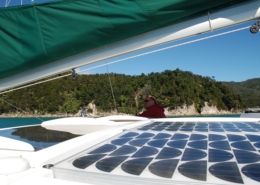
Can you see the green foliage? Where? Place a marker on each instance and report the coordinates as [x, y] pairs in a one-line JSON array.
[[172, 88], [71, 105], [249, 91]]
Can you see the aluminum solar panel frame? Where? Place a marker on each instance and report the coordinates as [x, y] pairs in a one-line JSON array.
[[166, 152]]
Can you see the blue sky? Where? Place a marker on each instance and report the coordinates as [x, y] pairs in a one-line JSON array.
[[231, 57]]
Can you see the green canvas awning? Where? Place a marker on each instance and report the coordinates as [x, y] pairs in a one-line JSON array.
[[38, 34]]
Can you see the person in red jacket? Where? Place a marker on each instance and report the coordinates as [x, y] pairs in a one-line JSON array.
[[153, 110]]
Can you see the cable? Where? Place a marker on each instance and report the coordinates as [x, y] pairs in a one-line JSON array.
[[18, 108], [135, 56], [112, 90], [169, 47], [34, 84], [7, 3]]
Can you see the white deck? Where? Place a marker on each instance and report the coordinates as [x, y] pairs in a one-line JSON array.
[[64, 154]]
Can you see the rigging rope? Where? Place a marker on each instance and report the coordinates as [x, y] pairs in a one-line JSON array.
[[34, 84], [135, 56], [112, 89], [7, 2], [169, 47], [18, 108]]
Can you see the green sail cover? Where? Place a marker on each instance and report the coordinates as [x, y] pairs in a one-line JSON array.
[[38, 34]]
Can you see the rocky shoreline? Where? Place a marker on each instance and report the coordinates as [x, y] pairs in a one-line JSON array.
[[179, 111]]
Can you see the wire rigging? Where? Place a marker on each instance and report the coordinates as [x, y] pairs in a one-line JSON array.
[[29, 85], [7, 3], [112, 90], [165, 48], [135, 56], [18, 108]]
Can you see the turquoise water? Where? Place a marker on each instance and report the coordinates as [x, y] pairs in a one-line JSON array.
[[15, 122]]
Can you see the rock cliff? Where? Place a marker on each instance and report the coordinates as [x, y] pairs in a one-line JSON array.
[[92, 111]]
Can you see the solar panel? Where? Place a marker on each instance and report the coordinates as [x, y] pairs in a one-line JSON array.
[[209, 152]]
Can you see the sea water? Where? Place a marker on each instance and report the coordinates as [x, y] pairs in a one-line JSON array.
[[16, 122]]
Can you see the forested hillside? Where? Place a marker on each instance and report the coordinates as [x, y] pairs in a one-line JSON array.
[[248, 90], [173, 88]]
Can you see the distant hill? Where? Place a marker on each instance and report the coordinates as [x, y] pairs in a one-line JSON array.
[[248, 90]]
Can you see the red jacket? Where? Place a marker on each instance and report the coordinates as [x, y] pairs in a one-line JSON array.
[[155, 111]]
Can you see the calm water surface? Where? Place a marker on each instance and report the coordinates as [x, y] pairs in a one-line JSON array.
[[16, 122]]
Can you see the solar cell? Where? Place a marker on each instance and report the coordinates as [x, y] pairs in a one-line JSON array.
[[199, 144], [195, 170], [201, 130], [167, 153], [138, 142], [146, 135], [252, 171], [223, 145], [120, 141], [232, 130], [146, 152], [227, 171], [159, 128], [164, 168], [124, 150], [217, 130], [216, 137], [232, 137], [253, 138], [172, 129], [179, 136], [257, 144], [130, 134], [109, 164], [177, 144], [159, 143], [162, 136], [249, 130], [145, 128], [191, 154], [85, 161], [244, 157], [197, 137], [243, 145], [219, 155], [104, 149], [136, 166]]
